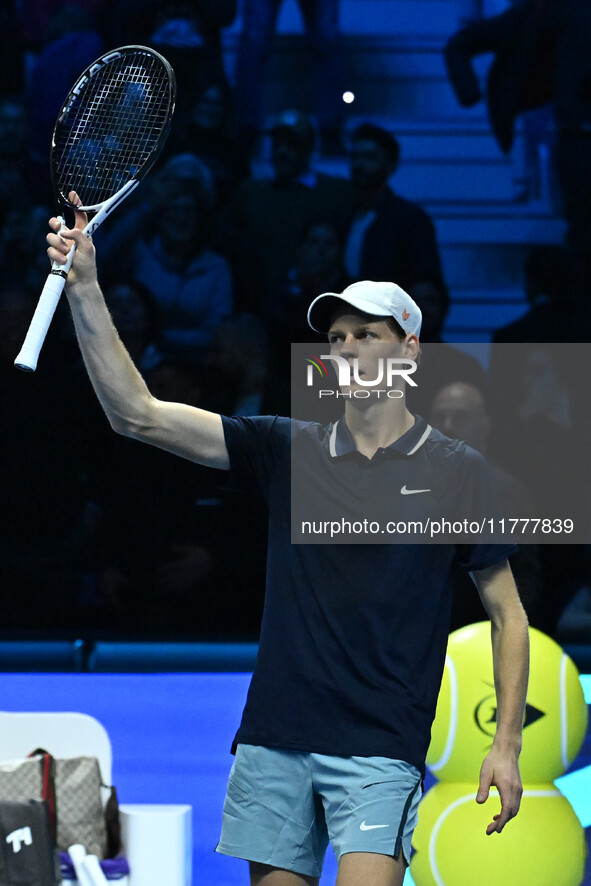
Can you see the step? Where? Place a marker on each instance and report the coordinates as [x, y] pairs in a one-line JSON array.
[[494, 266], [397, 71], [399, 17], [366, 56], [504, 229], [479, 319], [457, 181], [374, 17]]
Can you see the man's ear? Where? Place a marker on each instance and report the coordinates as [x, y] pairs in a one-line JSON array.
[[411, 346]]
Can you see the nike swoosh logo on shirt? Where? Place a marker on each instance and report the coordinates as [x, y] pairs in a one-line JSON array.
[[371, 827], [405, 491]]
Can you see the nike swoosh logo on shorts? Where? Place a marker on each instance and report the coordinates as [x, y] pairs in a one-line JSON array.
[[405, 491], [371, 827]]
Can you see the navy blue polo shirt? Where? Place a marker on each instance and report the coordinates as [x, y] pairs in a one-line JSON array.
[[353, 637]]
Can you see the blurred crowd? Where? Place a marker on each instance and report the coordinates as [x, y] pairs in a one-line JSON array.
[[208, 270]]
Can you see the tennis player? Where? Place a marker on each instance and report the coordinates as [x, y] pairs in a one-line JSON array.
[[336, 726]]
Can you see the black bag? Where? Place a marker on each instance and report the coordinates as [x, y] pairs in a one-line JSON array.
[[27, 852]]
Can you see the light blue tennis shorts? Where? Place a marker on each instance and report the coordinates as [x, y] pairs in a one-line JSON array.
[[282, 807]]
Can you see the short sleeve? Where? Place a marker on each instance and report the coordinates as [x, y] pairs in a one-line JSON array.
[[256, 446]]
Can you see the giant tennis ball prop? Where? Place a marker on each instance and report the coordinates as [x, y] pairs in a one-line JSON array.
[[544, 845], [465, 722]]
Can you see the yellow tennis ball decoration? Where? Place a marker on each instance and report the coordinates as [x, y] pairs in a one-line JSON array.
[[544, 845], [555, 720]]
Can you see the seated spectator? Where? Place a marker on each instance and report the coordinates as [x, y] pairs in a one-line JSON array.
[[187, 33], [238, 364], [208, 134], [554, 291], [441, 363], [134, 315], [164, 246], [72, 42], [389, 238], [266, 217], [319, 268]]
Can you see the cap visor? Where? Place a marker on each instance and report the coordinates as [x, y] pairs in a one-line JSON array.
[[324, 306]]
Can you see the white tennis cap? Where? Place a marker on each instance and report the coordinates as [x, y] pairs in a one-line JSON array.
[[379, 299]]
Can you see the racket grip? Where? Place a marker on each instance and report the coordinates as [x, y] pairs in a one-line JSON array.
[[77, 854], [46, 307]]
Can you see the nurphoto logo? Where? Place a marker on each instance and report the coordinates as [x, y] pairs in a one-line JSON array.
[[349, 372]]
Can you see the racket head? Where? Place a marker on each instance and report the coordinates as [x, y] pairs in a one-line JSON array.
[[112, 125]]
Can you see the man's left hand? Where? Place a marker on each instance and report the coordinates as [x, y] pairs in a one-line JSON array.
[[501, 769]]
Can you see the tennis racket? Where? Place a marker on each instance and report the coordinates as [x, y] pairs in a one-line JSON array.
[[108, 134]]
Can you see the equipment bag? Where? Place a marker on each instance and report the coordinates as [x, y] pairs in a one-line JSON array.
[[72, 788], [27, 850]]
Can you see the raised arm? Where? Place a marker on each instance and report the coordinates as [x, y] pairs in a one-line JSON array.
[[193, 433], [510, 646]]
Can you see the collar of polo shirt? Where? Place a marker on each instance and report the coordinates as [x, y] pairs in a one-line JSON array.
[[341, 441]]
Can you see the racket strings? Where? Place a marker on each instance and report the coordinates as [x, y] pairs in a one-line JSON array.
[[110, 129]]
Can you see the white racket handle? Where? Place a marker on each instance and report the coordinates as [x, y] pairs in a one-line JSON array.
[[93, 869], [77, 854], [54, 286], [46, 307]]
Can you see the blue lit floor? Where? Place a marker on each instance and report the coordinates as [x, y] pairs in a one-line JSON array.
[[171, 735]]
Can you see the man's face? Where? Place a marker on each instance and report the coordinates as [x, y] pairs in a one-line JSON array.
[[320, 251], [290, 156], [365, 343], [458, 411], [369, 164]]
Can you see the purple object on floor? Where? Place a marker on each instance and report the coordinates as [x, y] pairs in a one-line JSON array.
[[112, 868]]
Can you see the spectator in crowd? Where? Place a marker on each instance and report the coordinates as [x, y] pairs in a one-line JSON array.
[[521, 75], [189, 283], [267, 215], [441, 362], [187, 32], [572, 115], [322, 27], [319, 268], [72, 42], [541, 55], [556, 297], [209, 134], [459, 411], [239, 367], [133, 309], [389, 238]]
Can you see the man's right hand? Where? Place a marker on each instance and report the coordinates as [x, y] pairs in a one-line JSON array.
[[60, 242]]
